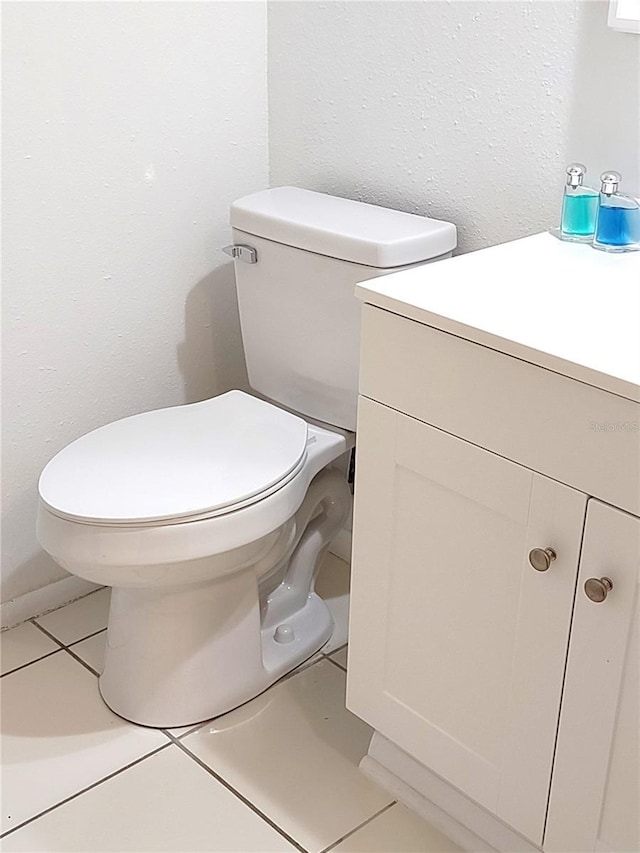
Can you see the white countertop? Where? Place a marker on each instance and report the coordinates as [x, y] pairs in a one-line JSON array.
[[563, 306]]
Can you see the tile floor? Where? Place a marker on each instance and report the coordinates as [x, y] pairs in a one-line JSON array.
[[279, 774]]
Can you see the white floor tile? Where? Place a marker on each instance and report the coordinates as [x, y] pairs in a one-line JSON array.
[[92, 650], [397, 830], [77, 620], [164, 803], [341, 656], [294, 752], [58, 736], [333, 586], [22, 645]]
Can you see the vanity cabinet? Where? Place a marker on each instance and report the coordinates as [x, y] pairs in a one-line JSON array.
[[595, 790], [473, 645]]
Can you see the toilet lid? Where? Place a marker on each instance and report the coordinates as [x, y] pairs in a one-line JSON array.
[[175, 463]]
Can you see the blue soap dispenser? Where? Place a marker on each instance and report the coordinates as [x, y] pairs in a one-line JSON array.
[[618, 220], [579, 207]]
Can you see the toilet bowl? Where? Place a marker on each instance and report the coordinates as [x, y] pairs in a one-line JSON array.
[[210, 604], [209, 520]]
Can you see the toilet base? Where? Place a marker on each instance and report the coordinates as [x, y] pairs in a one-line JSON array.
[[296, 639], [186, 694], [179, 655]]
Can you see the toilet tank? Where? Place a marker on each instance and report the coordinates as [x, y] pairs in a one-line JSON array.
[[300, 319]]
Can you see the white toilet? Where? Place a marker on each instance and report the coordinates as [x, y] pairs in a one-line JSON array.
[[209, 520]]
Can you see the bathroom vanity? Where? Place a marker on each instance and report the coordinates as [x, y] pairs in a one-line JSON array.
[[494, 633]]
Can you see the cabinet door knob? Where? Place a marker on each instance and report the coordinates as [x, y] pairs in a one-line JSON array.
[[541, 558], [597, 589]]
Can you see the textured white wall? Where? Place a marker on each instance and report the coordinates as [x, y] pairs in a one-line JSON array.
[[128, 130], [130, 127], [466, 111]]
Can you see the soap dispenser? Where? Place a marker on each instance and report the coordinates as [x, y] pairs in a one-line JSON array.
[[579, 207], [618, 220]]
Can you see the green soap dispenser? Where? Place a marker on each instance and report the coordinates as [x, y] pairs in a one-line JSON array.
[[579, 207]]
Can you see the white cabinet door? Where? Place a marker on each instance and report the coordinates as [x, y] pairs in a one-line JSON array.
[[457, 645], [595, 795]]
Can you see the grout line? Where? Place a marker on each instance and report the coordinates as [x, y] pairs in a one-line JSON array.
[[67, 648], [73, 642], [335, 663], [88, 637], [194, 728], [335, 651], [242, 798], [84, 790], [171, 737], [83, 662], [35, 660], [189, 731], [48, 633], [176, 738], [364, 823]]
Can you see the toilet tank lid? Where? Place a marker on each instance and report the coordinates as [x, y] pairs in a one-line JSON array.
[[341, 228]]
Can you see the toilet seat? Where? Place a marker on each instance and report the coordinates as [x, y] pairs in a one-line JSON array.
[[176, 464]]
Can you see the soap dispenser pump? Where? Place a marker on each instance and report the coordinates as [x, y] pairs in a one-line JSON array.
[[579, 207], [618, 221]]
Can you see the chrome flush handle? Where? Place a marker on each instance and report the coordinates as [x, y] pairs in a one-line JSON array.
[[240, 252]]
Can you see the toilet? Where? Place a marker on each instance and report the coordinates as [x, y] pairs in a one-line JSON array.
[[209, 520]]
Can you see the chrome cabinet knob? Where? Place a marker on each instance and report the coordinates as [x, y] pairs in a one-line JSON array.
[[541, 558], [597, 589]]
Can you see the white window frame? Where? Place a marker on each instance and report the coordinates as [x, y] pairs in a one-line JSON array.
[[624, 15]]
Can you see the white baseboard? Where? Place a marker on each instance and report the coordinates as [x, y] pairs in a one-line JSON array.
[[42, 600], [341, 545], [455, 815], [428, 811]]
